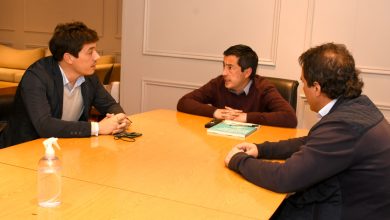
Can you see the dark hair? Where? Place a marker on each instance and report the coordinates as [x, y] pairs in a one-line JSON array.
[[70, 38], [333, 67], [246, 57]]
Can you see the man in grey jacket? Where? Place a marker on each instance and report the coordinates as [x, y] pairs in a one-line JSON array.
[[341, 169], [56, 93]]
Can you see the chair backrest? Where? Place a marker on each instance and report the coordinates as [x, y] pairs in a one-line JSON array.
[[287, 88], [6, 104]]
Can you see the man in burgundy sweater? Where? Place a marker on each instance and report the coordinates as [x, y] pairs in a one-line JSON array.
[[239, 94]]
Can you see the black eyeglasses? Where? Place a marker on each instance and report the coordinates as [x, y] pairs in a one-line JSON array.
[[127, 136]]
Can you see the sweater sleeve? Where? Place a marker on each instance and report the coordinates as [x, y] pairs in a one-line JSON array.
[[199, 101], [280, 150], [326, 152]]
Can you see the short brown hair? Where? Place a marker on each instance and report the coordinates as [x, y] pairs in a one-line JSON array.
[[333, 67], [70, 38]]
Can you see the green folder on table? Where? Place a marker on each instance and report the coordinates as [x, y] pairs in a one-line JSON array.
[[233, 128]]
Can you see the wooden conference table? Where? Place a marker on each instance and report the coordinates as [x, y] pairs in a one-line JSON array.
[[7, 87], [174, 171]]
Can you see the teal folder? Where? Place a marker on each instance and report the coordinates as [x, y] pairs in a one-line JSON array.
[[232, 128]]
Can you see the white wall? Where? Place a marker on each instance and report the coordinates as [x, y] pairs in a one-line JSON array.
[[171, 47], [30, 24]]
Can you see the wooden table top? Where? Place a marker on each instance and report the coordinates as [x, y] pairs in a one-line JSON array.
[[8, 87], [175, 163], [84, 200]]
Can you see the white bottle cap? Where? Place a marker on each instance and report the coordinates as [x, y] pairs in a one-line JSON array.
[[48, 143]]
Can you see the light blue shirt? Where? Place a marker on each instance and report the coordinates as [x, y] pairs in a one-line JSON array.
[[79, 81], [246, 89], [325, 110]]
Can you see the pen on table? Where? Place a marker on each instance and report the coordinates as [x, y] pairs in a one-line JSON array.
[[238, 125], [242, 124]]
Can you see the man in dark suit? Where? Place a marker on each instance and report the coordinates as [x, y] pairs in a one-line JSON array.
[[56, 93]]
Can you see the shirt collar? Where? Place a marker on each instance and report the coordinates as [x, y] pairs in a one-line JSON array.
[[325, 110], [79, 80], [246, 89]]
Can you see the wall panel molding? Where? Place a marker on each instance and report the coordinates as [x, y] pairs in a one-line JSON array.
[[374, 70], [34, 46], [42, 16], [148, 83], [118, 28], [309, 24], [9, 15], [30, 24], [352, 38], [149, 49], [8, 44], [7, 30]]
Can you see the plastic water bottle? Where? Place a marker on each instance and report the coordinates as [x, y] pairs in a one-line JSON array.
[[49, 176]]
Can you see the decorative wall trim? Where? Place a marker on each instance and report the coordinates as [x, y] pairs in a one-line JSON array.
[[302, 120], [37, 32], [8, 44], [163, 83], [34, 46], [117, 55], [374, 70], [309, 24], [34, 26], [308, 41], [275, 35], [118, 28], [6, 29], [205, 56], [383, 107]]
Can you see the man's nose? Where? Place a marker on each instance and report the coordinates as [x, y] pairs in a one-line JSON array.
[[96, 55], [224, 72]]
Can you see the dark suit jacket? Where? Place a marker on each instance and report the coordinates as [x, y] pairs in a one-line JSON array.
[[340, 170], [38, 105]]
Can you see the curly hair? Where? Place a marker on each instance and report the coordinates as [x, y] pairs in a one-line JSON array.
[[333, 68], [70, 38], [246, 57]]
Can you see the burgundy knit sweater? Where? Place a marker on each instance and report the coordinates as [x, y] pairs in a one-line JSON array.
[[263, 104]]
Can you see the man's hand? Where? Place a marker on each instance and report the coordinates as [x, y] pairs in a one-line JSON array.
[[113, 124], [230, 114], [123, 122], [248, 148], [229, 156]]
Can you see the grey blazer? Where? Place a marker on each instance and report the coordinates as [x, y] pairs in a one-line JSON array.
[[38, 104]]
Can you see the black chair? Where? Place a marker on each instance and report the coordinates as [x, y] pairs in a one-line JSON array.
[[6, 104], [287, 88]]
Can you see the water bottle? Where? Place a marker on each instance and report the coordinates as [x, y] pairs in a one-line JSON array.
[[49, 176]]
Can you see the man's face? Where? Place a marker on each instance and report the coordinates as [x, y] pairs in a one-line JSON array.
[[234, 78], [309, 93], [85, 64]]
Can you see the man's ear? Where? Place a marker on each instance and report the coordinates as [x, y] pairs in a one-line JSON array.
[[248, 72], [68, 58], [317, 88]]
